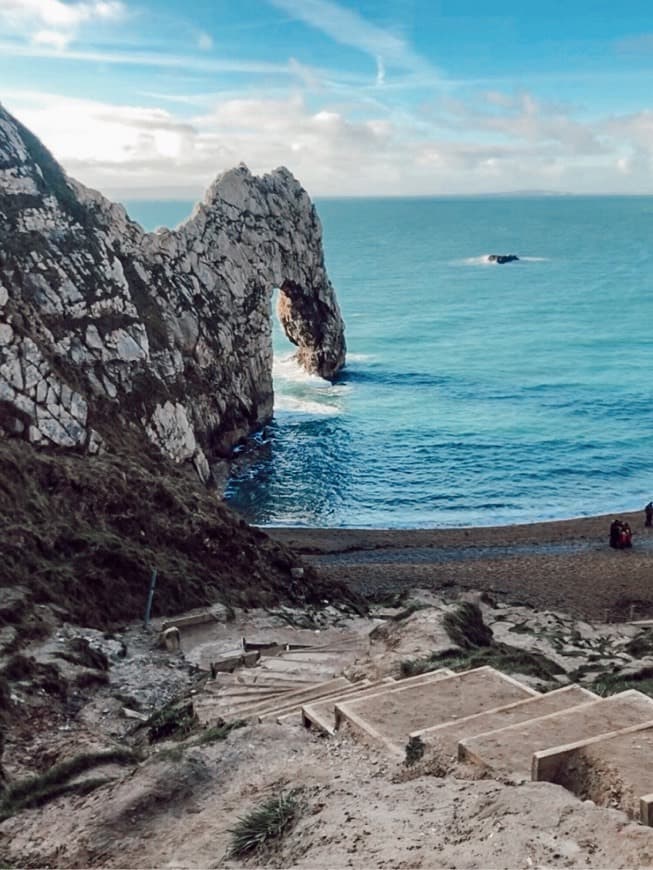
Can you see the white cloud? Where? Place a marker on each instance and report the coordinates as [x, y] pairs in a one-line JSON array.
[[53, 22], [128, 150], [204, 42], [521, 117], [54, 39], [380, 71]]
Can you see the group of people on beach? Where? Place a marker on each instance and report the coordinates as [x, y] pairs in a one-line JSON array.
[[621, 536]]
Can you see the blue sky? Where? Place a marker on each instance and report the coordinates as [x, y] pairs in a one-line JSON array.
[[357, 97]]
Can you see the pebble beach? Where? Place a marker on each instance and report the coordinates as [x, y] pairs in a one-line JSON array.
[[564, 565]]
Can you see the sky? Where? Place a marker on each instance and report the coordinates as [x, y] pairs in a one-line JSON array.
[[151, 99]]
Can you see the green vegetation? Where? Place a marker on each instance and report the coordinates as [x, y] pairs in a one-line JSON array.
[[83, 533], [5, 695], [414, 751], [413, 607], [218, 732], [641, 646], [609, 683], [500, 656], [174, 721], [38, 790], [465, 626], [265, 825], [42, 675]]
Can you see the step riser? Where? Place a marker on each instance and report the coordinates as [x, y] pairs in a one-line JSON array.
[[445, 738], [511, 749]]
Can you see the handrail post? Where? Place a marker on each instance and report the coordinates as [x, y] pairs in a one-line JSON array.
[[150, 596]]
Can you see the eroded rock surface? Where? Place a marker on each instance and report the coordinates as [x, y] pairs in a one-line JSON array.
[[102, 323]]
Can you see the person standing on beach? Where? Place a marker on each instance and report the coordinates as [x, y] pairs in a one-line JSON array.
[[626, 536], [648, 513], [615, 534]]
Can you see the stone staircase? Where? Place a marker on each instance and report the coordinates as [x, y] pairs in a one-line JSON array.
[[598, 748], [279, 681]]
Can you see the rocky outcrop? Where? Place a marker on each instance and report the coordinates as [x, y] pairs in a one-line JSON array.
[[169, 332], [502, 258]]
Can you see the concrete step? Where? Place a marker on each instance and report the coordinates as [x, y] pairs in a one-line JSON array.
[[234, 696], [293, 709], [209, 714], [322, 714], [390, 716], [267, 683], [511, 749], [284, 666], [445, 738], [314, 657], [614, 767]]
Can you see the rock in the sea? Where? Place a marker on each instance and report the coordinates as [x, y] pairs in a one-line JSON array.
[[502, 258], [104, 326]]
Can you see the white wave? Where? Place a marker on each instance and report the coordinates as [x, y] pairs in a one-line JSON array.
[[483, 260], [287, 372], [473, 261], [360, 357], [288, 369], [284, 402]]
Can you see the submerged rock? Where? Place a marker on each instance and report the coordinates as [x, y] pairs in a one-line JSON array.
[[103, 325]]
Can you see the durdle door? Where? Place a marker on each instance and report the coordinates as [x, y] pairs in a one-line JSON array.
[[104, 326]]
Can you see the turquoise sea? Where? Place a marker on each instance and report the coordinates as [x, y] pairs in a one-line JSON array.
[[474, 393]]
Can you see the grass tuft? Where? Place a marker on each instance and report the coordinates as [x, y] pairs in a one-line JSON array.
[[500, 656], [265, 825], [466, 628], [174, 721], [218, 732], [37, 790], [640, 646], [407, 611], [610, 683], [414, 751]]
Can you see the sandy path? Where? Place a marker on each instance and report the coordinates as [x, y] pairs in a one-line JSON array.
[[566, 564]]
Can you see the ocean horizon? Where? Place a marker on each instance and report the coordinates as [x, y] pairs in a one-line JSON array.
[[474, 394]]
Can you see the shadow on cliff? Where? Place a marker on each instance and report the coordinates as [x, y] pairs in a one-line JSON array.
[[84, 533]]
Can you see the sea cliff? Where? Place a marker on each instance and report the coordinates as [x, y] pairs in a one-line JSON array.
[[130, 363], [104, 326]]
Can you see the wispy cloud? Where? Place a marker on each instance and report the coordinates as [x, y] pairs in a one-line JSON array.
[[54, 23], [204, 41], [348, 27], [203, 63], [147, 59], [642, 43]]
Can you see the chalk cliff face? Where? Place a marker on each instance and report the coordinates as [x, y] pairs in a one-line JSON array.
[[102, 323]]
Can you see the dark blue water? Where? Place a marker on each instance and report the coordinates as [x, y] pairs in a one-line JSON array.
[[474, 394]]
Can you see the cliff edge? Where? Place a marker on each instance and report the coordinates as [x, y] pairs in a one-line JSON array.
[[128, 357], [104, 326]]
